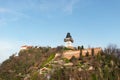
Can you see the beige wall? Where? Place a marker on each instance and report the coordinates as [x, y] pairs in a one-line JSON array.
[[70, 53], [76, 53]]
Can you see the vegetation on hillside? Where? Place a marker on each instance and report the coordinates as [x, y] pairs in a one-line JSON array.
[[40, 64]]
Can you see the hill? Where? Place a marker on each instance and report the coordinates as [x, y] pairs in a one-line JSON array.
[[46, 63]]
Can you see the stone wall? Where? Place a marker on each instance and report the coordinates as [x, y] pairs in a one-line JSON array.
[[70, 53], [76, 53]]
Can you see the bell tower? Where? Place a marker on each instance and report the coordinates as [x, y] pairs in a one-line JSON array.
[[68, 40]]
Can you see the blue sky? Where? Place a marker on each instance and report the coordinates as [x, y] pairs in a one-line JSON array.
[[45, 23]]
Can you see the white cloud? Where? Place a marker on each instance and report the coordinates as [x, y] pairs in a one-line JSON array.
[[70, 6], [3, 10], [8, 15], [61, 5], [42, 6]]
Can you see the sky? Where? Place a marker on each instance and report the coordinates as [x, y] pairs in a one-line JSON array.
[[92, 23]]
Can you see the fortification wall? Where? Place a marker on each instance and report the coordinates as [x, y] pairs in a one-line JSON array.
[[69, 54], [76, 53]]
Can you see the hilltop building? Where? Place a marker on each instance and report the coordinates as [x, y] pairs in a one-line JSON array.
[[68, 40], [25, 47]]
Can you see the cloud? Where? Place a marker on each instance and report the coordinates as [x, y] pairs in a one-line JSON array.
[[7, 15], [3, 10], [37, 6], [66, 6], [69, 6]]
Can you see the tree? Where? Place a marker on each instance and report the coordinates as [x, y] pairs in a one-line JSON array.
[[87, 53], [79, 47], [82, 47], [92, 51], [111, 49], [80, 56]]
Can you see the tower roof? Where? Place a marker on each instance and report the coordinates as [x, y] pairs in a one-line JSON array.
[[68, 38], [68, 35]]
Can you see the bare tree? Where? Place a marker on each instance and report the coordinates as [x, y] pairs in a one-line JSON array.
[[111, 49]]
